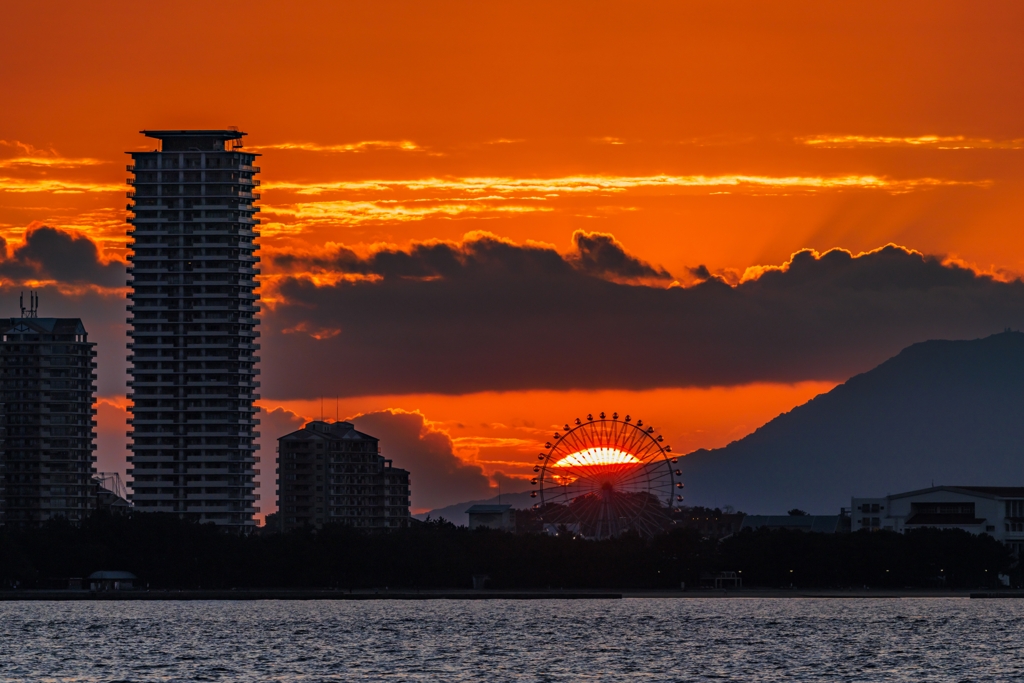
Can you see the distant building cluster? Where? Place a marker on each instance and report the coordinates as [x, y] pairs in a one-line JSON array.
[[994, 510], [193, 367]]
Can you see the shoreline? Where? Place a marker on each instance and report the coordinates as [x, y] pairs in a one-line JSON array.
[[27, 595]]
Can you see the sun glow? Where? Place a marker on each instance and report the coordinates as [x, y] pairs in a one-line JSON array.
[[590, 457]]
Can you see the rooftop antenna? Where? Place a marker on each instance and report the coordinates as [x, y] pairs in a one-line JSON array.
[[33, 304], [237, 142]]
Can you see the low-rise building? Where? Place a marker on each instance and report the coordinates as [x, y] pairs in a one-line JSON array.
[[110, 494], [499, 517], [330, 473], [111, 581], [994, 510]]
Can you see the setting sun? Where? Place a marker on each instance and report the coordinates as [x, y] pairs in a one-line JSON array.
[[590, 457]]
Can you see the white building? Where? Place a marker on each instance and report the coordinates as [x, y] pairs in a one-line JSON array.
[[500, 517], [193, 322], [994, 510]]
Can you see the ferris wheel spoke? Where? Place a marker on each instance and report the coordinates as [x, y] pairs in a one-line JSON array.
[[633, 520], [638, 505], [577, 510], [629, 442], [642, 474], [636, 437], [576, 437], [595, 514], [615, 470], [648, 447], [581, 473], [623, 509], [604, 476], [649, 524], [658, 514]]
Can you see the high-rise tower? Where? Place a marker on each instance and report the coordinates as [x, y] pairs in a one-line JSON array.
[[48, 379], [193, 337]]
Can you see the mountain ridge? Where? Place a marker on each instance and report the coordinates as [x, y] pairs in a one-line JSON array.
[[947, 411]]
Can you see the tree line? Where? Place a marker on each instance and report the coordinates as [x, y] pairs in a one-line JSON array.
[[167, 552]]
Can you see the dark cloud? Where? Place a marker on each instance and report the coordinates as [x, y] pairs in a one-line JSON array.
[[701, 272], [273, 425], [511, 484], [51, 254], [594, 253], [103, 314], [439, 477], [602, 255], [496, 316]]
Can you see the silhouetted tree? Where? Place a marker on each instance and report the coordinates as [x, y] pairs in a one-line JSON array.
[[167, 552]]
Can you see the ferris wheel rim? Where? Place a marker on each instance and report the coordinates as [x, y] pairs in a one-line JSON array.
[[651, 476]]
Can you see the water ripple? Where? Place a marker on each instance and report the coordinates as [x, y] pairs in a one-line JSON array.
[[574, 640]]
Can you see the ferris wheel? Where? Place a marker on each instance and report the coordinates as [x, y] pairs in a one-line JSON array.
[[604, 476]]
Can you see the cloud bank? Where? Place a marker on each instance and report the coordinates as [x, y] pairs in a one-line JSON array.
[[487, 314], [439, 477], [49, 254]]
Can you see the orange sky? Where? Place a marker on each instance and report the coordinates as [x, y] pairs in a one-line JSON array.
[[729, 134]]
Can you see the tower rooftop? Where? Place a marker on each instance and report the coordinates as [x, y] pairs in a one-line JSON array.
[[193, 140]]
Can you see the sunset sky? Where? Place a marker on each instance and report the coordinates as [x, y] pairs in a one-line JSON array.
[[481, 220]]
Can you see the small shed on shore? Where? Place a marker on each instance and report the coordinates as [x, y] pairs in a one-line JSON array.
[[111, 581]]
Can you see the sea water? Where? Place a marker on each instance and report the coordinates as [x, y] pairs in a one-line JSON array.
[[787, 639]]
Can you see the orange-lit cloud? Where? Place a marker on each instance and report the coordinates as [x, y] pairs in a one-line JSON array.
[[29, 156], [924, 141], [396, 202], [341, 212], [363, 146], [54, 186], [319, 333], [601, 184]]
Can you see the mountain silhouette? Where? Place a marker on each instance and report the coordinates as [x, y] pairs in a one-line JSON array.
[[948, 412]]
